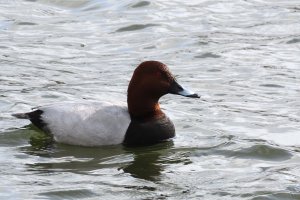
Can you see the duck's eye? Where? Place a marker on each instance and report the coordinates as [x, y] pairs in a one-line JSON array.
[[162, 76], [158, 74]]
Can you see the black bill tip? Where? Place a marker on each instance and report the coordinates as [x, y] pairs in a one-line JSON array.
[[178, 89]]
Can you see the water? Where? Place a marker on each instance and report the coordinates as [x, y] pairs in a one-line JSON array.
[[239, 141]]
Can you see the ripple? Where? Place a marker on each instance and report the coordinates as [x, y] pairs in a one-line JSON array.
[[208, 55], [141, 4], [295, 40], [26, 23], [271, 85], [262, 152], [214, 70], [69, 194], [278, 196], [135, 27]]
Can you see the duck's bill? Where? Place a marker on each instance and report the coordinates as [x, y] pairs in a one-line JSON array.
[[178, 89]]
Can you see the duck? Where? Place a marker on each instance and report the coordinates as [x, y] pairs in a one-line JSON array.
[[141, 122]]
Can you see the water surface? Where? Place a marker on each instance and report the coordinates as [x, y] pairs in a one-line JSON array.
[[239, 141]]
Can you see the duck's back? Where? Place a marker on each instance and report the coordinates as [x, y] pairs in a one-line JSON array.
[[87, 124]]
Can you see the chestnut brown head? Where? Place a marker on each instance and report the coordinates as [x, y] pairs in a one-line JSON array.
[[150, 81]]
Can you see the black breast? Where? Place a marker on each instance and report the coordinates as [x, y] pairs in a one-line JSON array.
[[149, 132]]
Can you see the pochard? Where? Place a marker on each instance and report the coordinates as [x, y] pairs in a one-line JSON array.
[[141, 122]]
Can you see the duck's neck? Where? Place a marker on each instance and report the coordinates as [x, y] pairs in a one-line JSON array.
[[140, 106]]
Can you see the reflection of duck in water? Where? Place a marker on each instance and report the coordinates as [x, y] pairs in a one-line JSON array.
[[106, 123], [147, 164]]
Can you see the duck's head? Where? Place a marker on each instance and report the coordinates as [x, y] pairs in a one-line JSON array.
[[150, 81]]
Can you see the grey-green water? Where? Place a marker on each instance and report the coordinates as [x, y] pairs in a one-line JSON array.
[[239, 141]]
